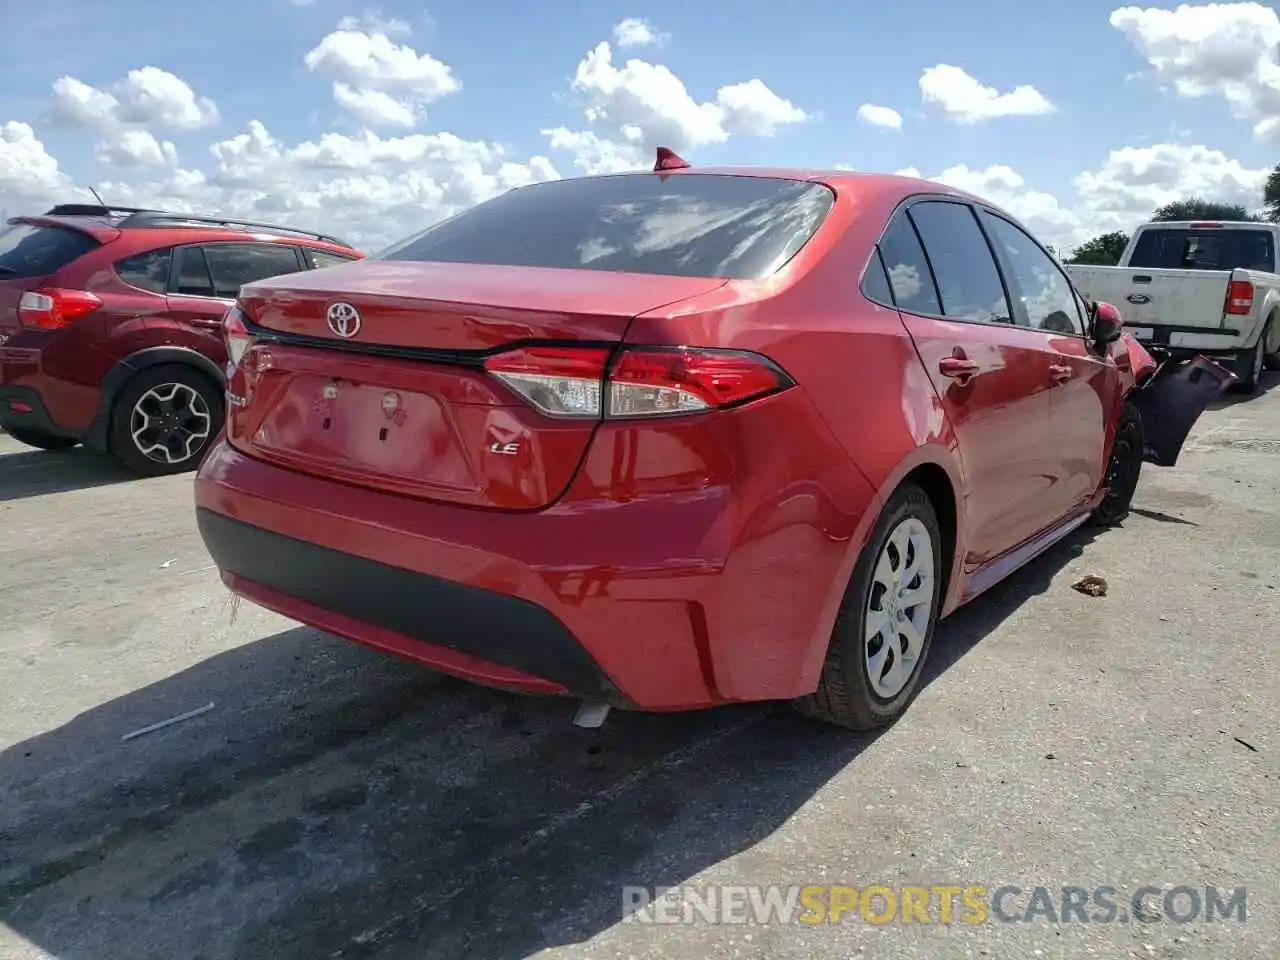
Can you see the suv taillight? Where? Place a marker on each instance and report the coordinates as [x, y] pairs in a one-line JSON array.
[[641, 382], [1239, 298], [52, 307], [236, 337]]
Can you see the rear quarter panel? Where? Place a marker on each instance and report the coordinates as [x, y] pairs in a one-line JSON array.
[[873, 411]]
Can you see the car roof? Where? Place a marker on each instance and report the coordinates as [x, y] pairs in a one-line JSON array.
[[108, 223]]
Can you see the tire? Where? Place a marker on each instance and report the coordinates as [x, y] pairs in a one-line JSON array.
[[41, 441], [165, 392], [1252, 365], [1270, 361], [847, 696], [1124, 468]]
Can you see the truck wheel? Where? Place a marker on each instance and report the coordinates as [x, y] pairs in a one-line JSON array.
[[164, 419], [1251, 367], [1123, 469], [1270, 360], [886, 621]]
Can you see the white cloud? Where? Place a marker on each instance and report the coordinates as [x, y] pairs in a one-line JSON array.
[[148, 97], [1222, 49], [382, 82], [644, 105], [29, 176], [879, 116], [136, 148], [372, 21], [1135, 180], [964, 100], [637, 32]]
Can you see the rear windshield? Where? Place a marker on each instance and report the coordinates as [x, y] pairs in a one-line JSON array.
[[1180, 248], [27, 250], [687, 225]]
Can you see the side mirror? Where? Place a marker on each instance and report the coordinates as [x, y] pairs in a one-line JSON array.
[[1105, 323]]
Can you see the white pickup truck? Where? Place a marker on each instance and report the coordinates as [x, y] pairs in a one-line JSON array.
[[1210, 288]]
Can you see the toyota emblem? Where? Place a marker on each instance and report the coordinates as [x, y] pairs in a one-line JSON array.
[[343, 319]]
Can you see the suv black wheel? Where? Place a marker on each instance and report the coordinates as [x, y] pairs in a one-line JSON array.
[[41, 441], [1123, 469], [164, 419]]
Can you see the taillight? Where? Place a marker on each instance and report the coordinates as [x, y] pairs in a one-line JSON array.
[[1239, 298], [236, 337], [53, 308], [642, 381]]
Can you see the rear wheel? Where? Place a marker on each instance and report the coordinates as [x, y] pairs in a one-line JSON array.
[[41, 441], [1252, 365], [1123, 469], [1270, 360], [886, 623], [164, 419]]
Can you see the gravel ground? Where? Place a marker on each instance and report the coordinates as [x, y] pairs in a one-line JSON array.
[[338, 803]]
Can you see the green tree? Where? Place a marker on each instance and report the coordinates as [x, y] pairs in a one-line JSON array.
[[1271, 195], [1103, 251], [1196, 208]]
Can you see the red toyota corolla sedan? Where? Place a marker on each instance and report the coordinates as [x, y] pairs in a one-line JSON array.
[[679, 438]]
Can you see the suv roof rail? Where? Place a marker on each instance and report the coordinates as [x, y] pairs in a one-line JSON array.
[[159, 218], [90, 210]]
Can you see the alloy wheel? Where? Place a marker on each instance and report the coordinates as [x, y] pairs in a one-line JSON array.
[[170, 423]]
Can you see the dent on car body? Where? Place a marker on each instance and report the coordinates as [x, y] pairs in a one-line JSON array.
[[1171, 400]]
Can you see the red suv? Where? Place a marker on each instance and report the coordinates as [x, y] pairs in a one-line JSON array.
[[110, 325], [681, 438]]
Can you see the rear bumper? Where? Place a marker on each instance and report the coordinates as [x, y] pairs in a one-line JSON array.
[[23, 408], [492, 637], [667, 600]]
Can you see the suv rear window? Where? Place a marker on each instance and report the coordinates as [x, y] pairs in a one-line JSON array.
[[1180, 248], [28, 250], [689, 225]]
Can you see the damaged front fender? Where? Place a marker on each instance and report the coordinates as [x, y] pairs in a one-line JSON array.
[[1170, 399]]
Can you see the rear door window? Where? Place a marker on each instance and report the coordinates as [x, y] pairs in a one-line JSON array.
[[28, 250], [235, 264], [687, 224], [149, 271], [908, 269], [968, 280], [1181, 248]]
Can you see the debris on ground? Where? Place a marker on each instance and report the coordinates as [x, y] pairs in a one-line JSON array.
[[168, 723], [1092, 585], [1245, 743]]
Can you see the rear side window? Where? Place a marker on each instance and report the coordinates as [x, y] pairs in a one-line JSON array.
[[909, 275], [149, 270], [689, 225], [322, 258], [1180, 248], [875, 282], [27, 250], [235, 264], [968, 280]]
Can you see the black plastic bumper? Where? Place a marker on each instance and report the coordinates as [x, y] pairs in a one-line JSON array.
[[500, 629], [36, 418]]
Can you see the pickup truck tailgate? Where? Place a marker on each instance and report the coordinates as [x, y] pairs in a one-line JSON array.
[[1153, 298]]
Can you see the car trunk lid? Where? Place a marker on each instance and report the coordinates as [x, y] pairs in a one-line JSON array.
[[372, 374]]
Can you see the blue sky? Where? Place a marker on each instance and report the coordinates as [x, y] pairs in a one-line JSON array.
[[516, 62]]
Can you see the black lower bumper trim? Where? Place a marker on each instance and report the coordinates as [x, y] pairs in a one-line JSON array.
[[36, 419], [494, 627]]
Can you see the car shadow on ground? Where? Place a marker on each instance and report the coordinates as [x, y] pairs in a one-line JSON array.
[[339, 803], [33, 473]]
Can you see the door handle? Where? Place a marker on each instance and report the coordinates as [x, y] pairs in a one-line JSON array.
[[1061, 373], [961, 368]]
